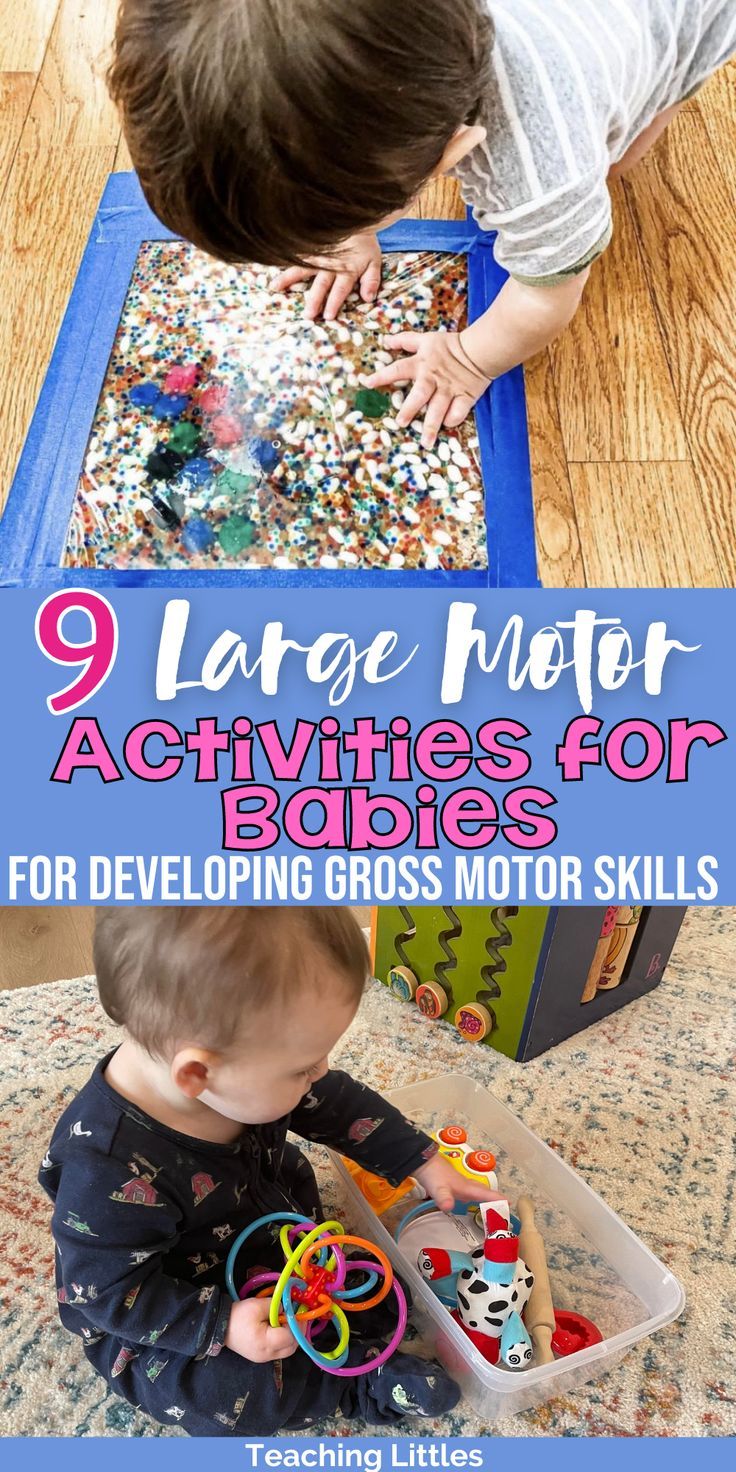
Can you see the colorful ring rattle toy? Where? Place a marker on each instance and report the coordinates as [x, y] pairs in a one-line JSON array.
[[310, 1291]]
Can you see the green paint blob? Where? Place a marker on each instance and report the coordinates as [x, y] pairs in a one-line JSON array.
[[372, 403], [232, 480], [236, 534], [184, 438]]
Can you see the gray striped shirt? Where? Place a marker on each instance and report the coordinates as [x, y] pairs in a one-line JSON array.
[[574, 84]]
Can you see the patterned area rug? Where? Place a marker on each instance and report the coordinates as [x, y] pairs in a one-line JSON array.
[[642, 1105]]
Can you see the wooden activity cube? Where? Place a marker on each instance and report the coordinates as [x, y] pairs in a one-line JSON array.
[[521, 978]]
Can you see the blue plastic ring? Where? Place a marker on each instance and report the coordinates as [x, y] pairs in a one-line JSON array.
[[262, 1221], [301, 1338]]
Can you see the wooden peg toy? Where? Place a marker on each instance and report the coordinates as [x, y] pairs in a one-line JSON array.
[[622, 940], [403, 983], [540, 1314], [432, 1000], [474, 1022], [599, 954]]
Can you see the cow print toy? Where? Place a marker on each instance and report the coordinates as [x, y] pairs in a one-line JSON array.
[[492, 1285]]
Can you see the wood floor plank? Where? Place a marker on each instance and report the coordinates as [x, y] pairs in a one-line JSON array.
[[71, 99], [44, 943], [441, 200], [16, 91], [54, 943], [688, 234], [612, 378], [558, 540], [61, 164], [123, 161], [83, 923], [716, 106], [634, 528], [25, 27]]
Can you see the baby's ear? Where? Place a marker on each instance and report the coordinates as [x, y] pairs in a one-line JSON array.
[[467, 137], [191, 1071]]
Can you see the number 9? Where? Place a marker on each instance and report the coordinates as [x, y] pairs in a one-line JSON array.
[[96, 656]]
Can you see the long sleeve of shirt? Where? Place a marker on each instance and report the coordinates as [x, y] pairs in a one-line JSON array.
[[111, 1260], [571, 85], [344, 1114]]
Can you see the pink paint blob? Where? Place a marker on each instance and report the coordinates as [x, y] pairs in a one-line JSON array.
[[226, 431], [213, 399], [181, 378]]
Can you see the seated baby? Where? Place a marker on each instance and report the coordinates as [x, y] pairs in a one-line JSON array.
[[179, 1140]]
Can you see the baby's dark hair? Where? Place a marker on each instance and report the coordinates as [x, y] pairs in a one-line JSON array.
[[202, 975], [270, 130]]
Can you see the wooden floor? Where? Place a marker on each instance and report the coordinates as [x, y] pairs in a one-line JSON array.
[[632, 413], [54, 943], [44, 944]]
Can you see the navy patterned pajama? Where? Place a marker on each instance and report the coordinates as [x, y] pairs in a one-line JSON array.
[[143, 1220]]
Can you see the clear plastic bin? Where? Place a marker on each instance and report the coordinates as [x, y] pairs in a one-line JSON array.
[[597, 1266]]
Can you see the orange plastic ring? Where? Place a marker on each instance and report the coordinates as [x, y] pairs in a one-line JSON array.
[[324, 1307], [355, 1308]]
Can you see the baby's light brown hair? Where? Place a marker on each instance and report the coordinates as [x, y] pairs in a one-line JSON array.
[[271, 130], [202, 975]]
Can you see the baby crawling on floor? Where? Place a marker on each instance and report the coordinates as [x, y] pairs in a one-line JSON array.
[[289, 132], [179, 1140]]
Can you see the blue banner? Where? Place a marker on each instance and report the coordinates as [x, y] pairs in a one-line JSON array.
[[223, 746], [369, 1454]]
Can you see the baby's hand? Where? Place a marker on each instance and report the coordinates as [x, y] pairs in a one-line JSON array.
[[334, 278], [446, 1186], [250, 1334], [446, 383]]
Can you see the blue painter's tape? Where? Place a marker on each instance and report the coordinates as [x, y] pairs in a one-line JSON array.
[[34, 527]]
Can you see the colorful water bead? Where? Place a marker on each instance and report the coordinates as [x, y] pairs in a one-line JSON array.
[[198, 470], [164, 463], [184, 437], [181, 378], [372, 403], [236, 482], [348, 490], [169, 406], [226, 431], [267, 452], [197, 535], [144, 395], [236, 534]]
